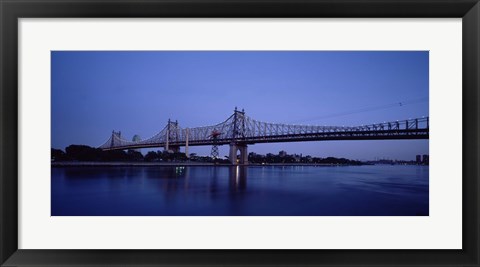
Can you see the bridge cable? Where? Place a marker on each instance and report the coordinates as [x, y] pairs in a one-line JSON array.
[[366, 109]]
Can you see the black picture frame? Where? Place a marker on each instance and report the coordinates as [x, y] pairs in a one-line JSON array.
[[12, 10]]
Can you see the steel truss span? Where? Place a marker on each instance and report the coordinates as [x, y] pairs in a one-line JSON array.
[[241, 129]]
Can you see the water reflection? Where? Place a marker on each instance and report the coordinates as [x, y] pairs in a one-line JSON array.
[[240, 190], [238, 178]]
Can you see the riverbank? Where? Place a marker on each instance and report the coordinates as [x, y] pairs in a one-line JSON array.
[[186, 163]]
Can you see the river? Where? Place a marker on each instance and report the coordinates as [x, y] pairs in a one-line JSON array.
[[369, 190]]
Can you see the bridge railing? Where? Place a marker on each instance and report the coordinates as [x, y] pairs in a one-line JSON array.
[[256, 128]]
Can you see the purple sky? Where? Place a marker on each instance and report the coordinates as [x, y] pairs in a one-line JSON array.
[[136, 92]]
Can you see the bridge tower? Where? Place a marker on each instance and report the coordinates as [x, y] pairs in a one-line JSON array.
[[167, 141], [186, 142], [172, 136], [117, 135], [238, 134]]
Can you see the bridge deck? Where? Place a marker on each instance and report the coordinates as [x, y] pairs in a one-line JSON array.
[[332, 136]]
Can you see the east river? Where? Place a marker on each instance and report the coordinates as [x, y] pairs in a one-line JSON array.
[[370, 190]]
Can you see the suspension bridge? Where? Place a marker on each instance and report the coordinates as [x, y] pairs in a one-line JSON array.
[[240, 130]]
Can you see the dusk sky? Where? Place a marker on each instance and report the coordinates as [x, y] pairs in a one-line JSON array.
[[136, 92]]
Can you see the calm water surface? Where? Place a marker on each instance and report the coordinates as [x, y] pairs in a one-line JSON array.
[[223, 191]]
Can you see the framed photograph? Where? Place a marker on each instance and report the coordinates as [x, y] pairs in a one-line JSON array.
[[291, 133]]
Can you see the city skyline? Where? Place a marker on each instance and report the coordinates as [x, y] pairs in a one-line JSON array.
[[136, 92]]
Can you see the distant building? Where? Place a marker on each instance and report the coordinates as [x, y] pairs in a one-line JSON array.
[[418, 159], [425, 160], [282, 154], [136, 138]]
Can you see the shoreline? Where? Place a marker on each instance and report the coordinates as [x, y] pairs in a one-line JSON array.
[[188, 163]]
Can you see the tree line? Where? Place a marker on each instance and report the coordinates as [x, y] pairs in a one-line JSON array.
[[87, 153], [272, 158]]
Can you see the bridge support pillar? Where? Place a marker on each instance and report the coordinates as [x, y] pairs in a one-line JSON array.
[[244, 155], [234, 148], [233, 154]]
